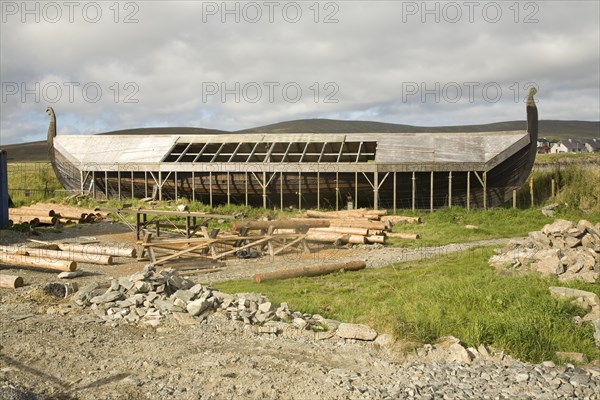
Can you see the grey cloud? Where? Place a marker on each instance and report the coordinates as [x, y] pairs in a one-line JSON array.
[[371, 54]]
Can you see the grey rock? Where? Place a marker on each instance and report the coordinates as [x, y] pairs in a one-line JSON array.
[[183, 294], [539, 239], [558, 226], [164, 305], [107, 298], [356, 331], [265, 307], [142, 287], [198, 306]]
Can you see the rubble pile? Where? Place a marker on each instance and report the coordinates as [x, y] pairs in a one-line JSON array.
[[147, 297], [563, 249]]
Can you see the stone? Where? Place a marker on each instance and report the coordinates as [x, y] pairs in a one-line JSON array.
[[483, 350], [265, 307], [299, 322], [572, 356], [548, 262], [591, 299], [183, 294], [572, 241], [107, 297], [198, 306], [196, 289], [385, 340], [597, 332], [164, 305], [83, 294], [125, 282], [539, 239], [142, 287], [180, 303], [176, 282], [70, 274], [548, 364], [330, 324], [356, 331], [558, 226], [471, 227], [459, 353]]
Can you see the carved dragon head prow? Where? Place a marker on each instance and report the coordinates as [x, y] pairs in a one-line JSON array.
[[51, 129], [530, 100]]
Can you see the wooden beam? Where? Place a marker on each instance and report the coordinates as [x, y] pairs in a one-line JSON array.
[[310, 271]]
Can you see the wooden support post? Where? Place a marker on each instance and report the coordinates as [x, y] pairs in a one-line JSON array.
[[553, 188], [193, 185], [210, 192], [485, 190], [132, 187], [119, 181], [246, 186], [264, 189], [137, 225], [299, 190], [337, 191], [94, 184], [356, 189], [281, 190], [450, 189], [468, 190], [176, 184], [413, 190], [81, 183], [394, 196], [431, 192], [228, 193], [376, 190], [106, 184], [145, 183], [318, 189], [514, 196]]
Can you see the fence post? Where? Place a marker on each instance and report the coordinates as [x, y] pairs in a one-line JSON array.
[[531, 190], [514, 198], [553, 187]]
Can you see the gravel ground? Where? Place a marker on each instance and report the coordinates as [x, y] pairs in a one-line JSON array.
[[70, 354]]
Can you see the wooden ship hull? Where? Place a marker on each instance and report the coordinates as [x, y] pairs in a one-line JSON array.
[[378, 170]]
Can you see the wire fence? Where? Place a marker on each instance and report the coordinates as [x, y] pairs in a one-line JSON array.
[[34, 181]]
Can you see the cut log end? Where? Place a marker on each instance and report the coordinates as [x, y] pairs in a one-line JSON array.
[[11, 281]]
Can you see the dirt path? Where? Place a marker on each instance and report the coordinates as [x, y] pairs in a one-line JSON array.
[[55, 350]]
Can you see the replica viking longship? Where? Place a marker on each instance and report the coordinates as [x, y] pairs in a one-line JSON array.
[[404, 170]]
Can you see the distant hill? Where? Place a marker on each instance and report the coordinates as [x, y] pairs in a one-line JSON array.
[[551, 129]]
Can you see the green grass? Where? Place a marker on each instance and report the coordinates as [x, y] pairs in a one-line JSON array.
[[31, 182], [457, 294], [545, 158], [448, 226]]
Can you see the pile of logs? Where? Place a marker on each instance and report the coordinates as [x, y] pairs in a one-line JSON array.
[[52, 214], [357, 226], [61, 256]]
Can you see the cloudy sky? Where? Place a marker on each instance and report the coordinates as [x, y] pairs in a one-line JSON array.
[[232, 65]]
